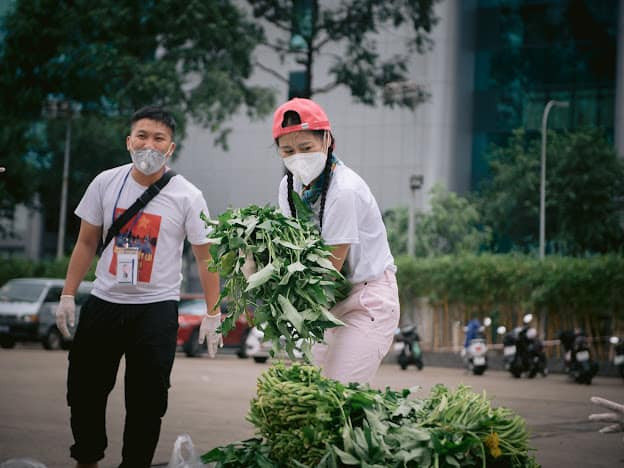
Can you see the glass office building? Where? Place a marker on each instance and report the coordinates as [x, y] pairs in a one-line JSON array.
[[527, 52]]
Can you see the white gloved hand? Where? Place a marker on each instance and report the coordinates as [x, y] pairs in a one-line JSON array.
[[616, 417], [208, 333], [249, 267], [65, 313]]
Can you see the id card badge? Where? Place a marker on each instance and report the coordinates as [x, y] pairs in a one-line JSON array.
[[127, 265]]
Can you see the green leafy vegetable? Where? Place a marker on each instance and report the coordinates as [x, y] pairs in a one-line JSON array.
[[295, 284], [305, 420]]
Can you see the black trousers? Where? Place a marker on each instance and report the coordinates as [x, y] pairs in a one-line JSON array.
[[146, 335]]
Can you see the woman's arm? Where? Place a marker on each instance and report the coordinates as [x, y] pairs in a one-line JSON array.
[[339, 255]]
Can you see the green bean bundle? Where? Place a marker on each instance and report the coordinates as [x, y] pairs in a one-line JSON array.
[[493, 433], [297, 413], [305, 420]]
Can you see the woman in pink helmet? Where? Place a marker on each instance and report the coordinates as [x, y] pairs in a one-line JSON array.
[[349, 219]]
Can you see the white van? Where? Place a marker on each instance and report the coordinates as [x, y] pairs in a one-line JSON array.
[[28, 311]]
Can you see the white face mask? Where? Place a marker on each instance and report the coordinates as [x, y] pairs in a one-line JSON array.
[[148, 161], [306, 166]]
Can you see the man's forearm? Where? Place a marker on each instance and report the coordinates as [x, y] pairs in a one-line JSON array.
[[208, 279], [210, 285], [79, 263]]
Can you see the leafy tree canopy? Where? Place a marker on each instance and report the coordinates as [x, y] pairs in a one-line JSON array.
[[306, 27], [584, 193], [452, 226], [109, 58], [114, 56]]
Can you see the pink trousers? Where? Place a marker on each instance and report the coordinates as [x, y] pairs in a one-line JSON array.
[[353, 353]]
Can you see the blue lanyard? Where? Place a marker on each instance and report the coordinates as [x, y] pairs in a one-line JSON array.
[[136, 218]]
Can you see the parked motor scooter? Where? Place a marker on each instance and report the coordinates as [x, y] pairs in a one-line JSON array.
[[578, 361], [532, 353], [510, 339], [618, 358], [474, 352], [523, 351], [409, 348]]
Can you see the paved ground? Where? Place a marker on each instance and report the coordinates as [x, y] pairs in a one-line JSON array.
[[209, 400]]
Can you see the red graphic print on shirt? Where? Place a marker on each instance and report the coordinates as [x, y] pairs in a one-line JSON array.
[[142, 232]]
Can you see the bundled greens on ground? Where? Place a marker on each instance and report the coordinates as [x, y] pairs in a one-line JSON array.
[[295, 284], [306, 420]]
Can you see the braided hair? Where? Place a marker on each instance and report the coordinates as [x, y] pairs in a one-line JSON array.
[[292, 118]]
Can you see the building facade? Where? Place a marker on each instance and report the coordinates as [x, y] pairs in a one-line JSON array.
[[493, 67]]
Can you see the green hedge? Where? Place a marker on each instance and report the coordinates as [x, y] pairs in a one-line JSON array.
[[575, 284], [23, 268]]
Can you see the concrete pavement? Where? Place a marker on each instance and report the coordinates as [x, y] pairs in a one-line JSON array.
[[210, 399]]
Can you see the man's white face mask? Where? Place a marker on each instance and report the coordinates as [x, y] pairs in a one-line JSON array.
[[148, 161]]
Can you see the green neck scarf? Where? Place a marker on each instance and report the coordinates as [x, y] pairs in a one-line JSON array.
[[311, 193]]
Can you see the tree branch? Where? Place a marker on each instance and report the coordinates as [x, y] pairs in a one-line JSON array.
[[325, 89], [275, 47], [318, 46], [279, 25], [271, 71]]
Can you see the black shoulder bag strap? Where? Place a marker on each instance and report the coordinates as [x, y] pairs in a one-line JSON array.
[[140, 202]]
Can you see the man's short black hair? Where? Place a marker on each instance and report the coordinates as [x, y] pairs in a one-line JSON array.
[[156, 113]]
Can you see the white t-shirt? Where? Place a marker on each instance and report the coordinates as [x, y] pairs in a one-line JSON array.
[[351, 217], [158, 231]]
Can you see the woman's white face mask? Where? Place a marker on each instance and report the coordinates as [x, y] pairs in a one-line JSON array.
[[309, 165], [306, 166]]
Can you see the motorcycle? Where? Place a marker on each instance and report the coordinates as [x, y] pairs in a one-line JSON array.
[[578, 362], [618, 358], [474, 352], [523, 351], [409, 348]]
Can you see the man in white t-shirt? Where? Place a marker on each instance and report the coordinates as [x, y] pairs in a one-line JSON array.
[[133, 307]]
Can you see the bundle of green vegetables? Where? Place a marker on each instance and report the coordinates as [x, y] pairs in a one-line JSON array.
[[305, 420], [295, 284]]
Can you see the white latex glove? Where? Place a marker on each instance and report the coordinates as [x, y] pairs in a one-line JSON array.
[[249, 267], [208, 333], [65, 313], [616, 417]]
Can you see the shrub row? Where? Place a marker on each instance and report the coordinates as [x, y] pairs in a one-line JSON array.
[[24, 268], [576, 284]]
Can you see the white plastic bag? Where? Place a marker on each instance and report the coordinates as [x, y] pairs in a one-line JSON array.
[[184, 454], [22, 463]]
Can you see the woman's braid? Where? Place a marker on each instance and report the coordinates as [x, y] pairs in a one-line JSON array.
[[291, 204], [328, 171]]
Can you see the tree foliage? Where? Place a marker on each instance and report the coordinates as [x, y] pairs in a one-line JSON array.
[[584, 193], [395, 221], [451, 226], [117, 55], [306, 27], [109, 58]]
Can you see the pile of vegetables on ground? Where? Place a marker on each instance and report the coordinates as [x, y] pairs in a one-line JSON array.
[[295, 284], [303, 419]]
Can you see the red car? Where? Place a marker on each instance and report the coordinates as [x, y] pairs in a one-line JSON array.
[[191, 309]]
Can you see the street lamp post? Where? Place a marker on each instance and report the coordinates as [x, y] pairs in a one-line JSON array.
[[542, 224], [54, 108], [416, 182]]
